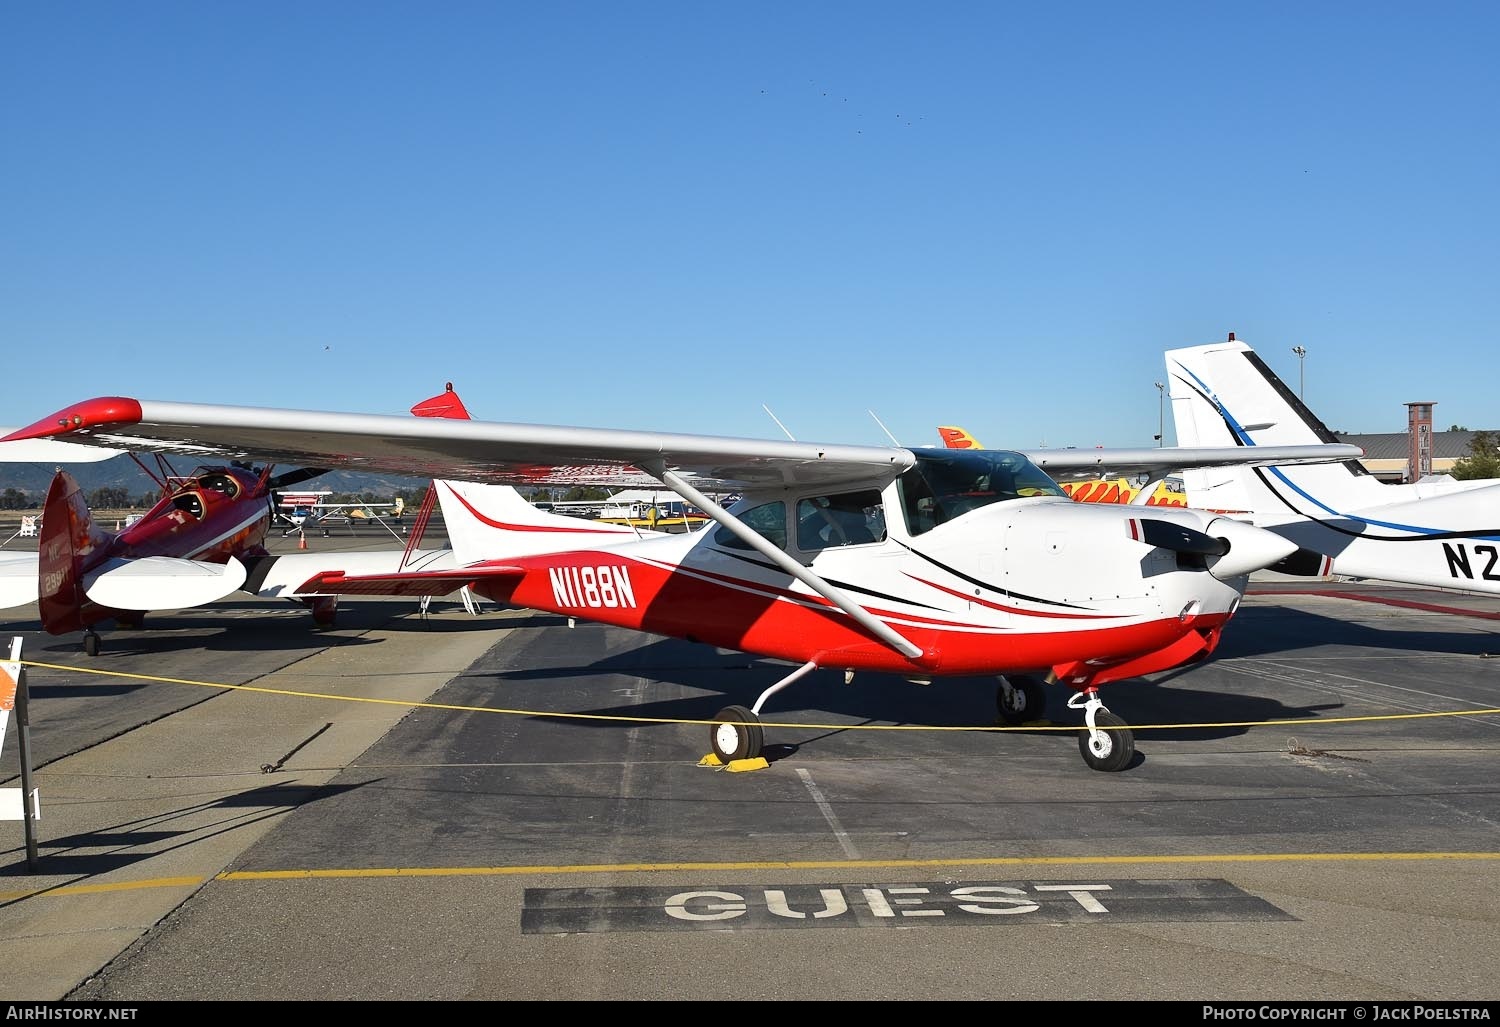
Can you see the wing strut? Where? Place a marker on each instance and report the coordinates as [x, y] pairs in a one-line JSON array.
[[861, 616], [1147, 492], [418, 528]]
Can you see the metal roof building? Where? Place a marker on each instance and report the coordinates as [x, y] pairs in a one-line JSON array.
[[1387, 454]]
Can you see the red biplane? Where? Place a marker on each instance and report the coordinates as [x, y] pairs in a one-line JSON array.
[[189, 549]]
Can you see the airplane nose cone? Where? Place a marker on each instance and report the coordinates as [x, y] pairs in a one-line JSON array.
[[1250, 548]]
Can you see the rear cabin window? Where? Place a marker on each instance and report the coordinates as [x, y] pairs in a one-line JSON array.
[[844, 519], [767, 520]]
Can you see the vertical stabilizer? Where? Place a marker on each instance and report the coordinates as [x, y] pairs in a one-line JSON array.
[[68, 538], [1343, 519], [955, 437], [495, 522], [1225, 395]]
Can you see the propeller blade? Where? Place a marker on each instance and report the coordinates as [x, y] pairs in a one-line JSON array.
[[1167, 535], [1304, 563], [281, 481]]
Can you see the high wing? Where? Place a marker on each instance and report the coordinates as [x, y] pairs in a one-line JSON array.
[[50, 451], [479, 451], [1153, 464], [530, 454], [1156, 463]]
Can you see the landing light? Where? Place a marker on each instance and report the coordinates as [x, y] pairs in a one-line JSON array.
[[1189, 610]]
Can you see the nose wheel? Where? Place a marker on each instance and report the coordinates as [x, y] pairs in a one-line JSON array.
[[1108, 744]]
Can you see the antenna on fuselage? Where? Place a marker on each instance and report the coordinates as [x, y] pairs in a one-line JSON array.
[[884, 428]]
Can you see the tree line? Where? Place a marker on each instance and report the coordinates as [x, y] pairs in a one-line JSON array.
[[1483, 460]]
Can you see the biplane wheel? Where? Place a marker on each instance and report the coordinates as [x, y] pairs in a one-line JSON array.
[[1024, 700], [736, 734], [91, 644], [1107, 750]]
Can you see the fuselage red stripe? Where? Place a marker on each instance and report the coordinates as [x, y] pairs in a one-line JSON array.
[[509, 526]]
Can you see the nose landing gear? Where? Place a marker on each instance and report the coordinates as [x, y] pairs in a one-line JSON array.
[[1107, 743]]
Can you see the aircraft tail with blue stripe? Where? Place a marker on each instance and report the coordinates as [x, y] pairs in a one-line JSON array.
[[1439, 532]]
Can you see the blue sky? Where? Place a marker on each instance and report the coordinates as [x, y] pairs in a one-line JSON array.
[[670, 216]]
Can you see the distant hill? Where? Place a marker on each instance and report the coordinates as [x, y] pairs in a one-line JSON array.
[[123, 472]]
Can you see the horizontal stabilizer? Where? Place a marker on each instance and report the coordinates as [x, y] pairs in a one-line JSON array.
[[18, 579], [1304, 563], [162, 583], [1070, 464], [420, 583]]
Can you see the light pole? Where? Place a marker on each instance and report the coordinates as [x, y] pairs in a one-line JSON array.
[[1301, 352], [1161, 414]]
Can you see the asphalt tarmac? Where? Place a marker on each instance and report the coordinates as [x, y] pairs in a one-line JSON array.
[[496, 806]]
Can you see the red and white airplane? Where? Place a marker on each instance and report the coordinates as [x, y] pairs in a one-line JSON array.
[[923, 563]]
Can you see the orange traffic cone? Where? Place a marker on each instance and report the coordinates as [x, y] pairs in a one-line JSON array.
[[301, 540]]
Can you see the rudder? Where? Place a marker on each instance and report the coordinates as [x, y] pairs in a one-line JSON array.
[[68, 537]]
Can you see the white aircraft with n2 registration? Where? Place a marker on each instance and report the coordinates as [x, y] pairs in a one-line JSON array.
[[1442, 532], [923, 563]]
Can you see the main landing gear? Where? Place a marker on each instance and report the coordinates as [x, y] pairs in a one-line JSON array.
[[736, 733], [1020, 698], [324, 609], [1107, 744]]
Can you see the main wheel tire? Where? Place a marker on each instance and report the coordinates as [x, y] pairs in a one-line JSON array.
[[736, 734], [91, 644], [1024, 700], [1107, 750]]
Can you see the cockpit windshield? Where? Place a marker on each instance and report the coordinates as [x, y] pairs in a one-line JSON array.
[[217, 481], [947, 483]]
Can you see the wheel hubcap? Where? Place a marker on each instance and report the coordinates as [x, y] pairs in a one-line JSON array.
[[728, 737]]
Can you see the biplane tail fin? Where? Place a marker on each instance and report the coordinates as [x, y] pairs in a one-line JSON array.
[[68, 535]]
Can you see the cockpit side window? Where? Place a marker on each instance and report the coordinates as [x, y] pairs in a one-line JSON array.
[[844, 519], [767, 520]]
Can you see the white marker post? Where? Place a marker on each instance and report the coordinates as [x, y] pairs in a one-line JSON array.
[[13, 804]]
